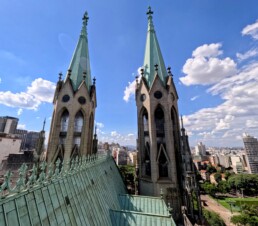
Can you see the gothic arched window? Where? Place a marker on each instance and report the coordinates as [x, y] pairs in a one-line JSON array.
[[78, 122], [64, 121], [159, 121]]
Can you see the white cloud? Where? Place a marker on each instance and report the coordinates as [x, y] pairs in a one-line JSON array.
[[130, 89], [212, 50], [42, 90], [194, 98], [114, 134], [250, 53], [205, 68], [19, 112], [21, 126], [38, 92], [117, 137], [221, 125], [252, 30], [99, 124]]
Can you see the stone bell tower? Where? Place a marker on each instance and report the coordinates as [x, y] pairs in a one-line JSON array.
[[71, 132], [158, 126]]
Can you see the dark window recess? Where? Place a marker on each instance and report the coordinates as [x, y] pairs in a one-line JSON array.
[[158, 94], [82, 100], [67, 201], [143, 97], [92, 181], [66, 98], [110, 168], [105, 172]]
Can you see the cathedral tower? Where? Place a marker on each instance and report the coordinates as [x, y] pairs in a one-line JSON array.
[[71, 132], [158, 126]]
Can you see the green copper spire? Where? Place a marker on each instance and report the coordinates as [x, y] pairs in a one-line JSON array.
[[153, 55], [80, 63]]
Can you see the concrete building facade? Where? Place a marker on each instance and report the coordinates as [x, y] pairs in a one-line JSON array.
[[251, 149], [8, 124]]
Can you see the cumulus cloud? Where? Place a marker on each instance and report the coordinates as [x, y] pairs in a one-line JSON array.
[[222, 124], [205, 67], [38, 92], [252, 30], [130, 89]]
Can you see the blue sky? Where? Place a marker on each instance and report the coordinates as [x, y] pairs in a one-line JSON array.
[[212, 47]]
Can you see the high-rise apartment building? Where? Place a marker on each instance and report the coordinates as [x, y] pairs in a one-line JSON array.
[[8, 124], [251, 149]]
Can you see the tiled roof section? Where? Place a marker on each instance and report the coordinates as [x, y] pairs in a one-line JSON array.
[[120, 218], [145, 204]]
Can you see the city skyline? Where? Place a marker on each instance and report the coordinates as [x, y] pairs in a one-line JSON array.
[[211, 48]]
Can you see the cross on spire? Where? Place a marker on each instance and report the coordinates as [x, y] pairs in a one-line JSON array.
[[60, 76], [149, 12], [156, 67], [85, 18]]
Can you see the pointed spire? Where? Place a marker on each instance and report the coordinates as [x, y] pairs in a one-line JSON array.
[[80, 62], [153, 54], [44, 123], [182, 126]]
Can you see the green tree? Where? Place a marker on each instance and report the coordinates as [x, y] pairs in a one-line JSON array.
[[128, 173], [213, 218], [249, 182], [217, 177], [249, 216], [223, 187], [209, 188], [211, 169]]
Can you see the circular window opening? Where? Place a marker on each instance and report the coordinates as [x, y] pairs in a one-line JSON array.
[[66, 98], [158, 94], [82, 100], [143, 97]]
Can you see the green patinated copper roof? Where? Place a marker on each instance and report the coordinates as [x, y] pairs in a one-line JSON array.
[[86, 191], [153, 55], [81, 61]]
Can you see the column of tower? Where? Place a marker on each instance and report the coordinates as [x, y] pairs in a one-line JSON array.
[[71, 132], [158, 126]]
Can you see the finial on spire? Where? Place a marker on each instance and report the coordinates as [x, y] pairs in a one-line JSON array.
[[182, 123], [149, 12], [85, 19], [44, 123], [156, 67], [94, 81], [161, 193], [136, 79], [60, 76], [69, 72], [142, 72], [84, 75], [169, 71]]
